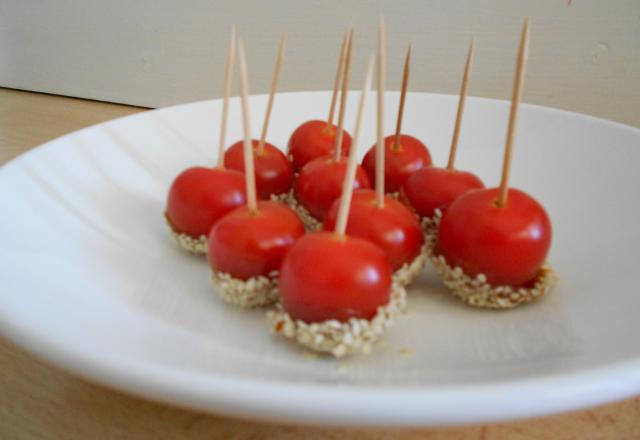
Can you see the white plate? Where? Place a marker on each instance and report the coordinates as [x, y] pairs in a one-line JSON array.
[[91, 282]]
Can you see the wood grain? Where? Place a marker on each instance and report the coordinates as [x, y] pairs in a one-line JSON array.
[[29, 119], [41, 402]]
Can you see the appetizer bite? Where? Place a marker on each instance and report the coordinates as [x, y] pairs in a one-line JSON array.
[[274, 172], [246, 246], [337, 291], [320, 180], [404, 154], [434, 188], [491, 245], [377, 217], [200, 196], [317, 138]]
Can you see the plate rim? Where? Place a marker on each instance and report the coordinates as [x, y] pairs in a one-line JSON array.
[[325, 404], [523, 104]]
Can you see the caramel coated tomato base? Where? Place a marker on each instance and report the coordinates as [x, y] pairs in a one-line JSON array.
[[194, 245], [255, 292], [476, 291], [337, 338]]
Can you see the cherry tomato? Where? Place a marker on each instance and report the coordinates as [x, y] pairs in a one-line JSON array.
[[324, 276], [320, 183], [392, 227], [312, 140], [245, 244], [507, 244], [199, 196], [410, 156], [274, 172], [434, 188]]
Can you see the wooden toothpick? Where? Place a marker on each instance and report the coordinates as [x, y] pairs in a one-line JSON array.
[[461, 101], [249, 174], [403, 94], [380, 67], [347, 186], [343, 97], [228, 75], [513, 115], [272, 93], [336, 83]]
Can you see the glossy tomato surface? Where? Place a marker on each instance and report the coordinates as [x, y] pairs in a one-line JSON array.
[[508, 244], [274, 172], [199, 196], [326, 277], [312, 140], [245, 244], [320, 183], [410, 156], [434, 188], [393, 227]]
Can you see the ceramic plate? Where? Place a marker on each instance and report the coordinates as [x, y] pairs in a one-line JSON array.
[[92, 283]]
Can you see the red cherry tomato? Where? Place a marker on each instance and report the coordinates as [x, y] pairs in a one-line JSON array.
[[434, 188], [274, 172], [507, 244], [245, 244], [325, 277], [199, 196], [410, 156], [392, 227], [320, 183], [312, 140]]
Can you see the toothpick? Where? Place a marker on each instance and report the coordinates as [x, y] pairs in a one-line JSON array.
[[403, 94], [336, 83], [249, 173], [381, 61], [343, 98], [347, 186], [513, 115], [228, 75], [461, 101], [272, 93]]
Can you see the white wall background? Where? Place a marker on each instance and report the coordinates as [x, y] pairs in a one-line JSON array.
[[585, 54]]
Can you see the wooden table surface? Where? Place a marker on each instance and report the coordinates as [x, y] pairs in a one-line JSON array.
[[41, 402]]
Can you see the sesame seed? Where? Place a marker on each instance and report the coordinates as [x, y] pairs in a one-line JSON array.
[[406, 352]]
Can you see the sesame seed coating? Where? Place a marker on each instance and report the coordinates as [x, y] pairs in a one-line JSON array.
[[194, 245], [310, 222], [340, 338], [411, 269], [254, 292]]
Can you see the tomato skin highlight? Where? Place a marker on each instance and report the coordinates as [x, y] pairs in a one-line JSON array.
[[320, 183], [245, 244], [274, 172], [393, 227], [411, 156], [200, 196], [312, 139], [507, 244], [325, 277], [434, 188]]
